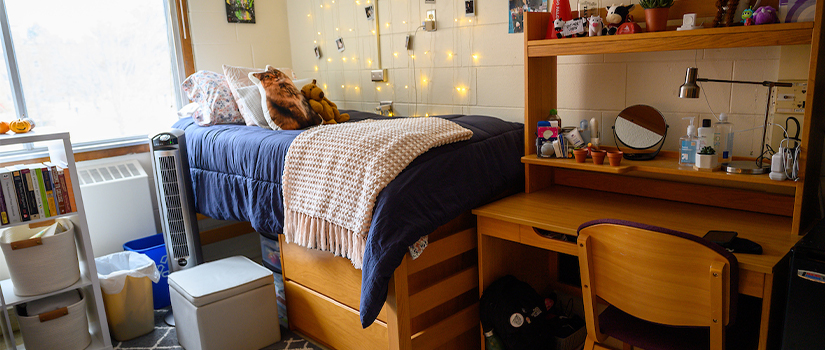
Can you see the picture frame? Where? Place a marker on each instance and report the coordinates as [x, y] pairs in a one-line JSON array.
[[317, 52], [469, 8], [340, 44], [240, 11], [369, 11]]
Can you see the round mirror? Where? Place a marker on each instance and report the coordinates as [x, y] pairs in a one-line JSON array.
[[641, 128]]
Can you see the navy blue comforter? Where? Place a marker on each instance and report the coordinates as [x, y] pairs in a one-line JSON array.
[[236, 174]]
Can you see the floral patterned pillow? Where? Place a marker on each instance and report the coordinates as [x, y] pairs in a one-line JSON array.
[[211, 92]]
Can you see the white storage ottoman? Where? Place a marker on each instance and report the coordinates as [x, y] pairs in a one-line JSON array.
[[225, 304]]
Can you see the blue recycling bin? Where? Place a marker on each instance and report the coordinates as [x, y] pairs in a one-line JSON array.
[[154, 247]]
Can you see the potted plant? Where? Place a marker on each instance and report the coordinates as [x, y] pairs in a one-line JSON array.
[[706, 158], [656, 13]]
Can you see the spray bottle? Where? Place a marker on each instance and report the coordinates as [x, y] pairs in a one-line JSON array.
[[723, 139], [687, 145]]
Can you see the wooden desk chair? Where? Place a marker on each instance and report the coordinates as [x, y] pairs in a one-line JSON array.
[[664, 289]]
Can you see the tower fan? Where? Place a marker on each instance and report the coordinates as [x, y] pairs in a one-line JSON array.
[[175, 202]]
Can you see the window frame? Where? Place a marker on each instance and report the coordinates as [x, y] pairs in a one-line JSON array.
[[183, 63]]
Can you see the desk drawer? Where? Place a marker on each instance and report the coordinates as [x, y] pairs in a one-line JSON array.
[[498, 228], [528, 235]]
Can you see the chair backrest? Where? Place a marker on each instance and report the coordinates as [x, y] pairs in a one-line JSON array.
[[656, 274]]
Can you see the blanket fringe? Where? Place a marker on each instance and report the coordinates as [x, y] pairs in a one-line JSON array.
[[316, 233]]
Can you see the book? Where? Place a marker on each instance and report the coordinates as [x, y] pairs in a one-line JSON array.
[[58, 188], [20, 192], [40, 191], [29, 186], [9, 195], [66, 201], [37, 186], [49, 189], [68, 175], [4, 216]]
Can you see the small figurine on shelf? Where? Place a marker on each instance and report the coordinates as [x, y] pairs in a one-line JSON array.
[[616, 15], [747, 17], [558, 24], [594, 25], [765, 15], [572, 28]]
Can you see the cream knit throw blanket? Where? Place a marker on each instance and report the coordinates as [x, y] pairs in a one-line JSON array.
[[333, 174]]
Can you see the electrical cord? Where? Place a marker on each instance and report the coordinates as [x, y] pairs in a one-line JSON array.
[[415, 79]]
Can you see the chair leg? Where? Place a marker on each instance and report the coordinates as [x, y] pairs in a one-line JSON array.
[[626, 346], [589, 344]]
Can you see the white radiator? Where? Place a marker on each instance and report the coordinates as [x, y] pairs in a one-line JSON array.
[[116, 195]]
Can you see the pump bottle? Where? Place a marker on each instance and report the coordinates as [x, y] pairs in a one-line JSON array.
[[687, 145], [705, 135], [723, 139]]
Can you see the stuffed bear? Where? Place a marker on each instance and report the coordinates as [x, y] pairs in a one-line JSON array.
[[616, 15], [327, 109]]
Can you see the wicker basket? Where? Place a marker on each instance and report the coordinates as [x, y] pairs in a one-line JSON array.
[[40, 265], [65, 328]]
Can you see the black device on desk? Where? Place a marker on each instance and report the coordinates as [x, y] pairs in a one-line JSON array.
[[805, 309], [723, 238]]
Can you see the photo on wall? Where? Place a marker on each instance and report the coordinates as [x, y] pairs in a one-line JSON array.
[[519, 7], [370, 12], [469, 8], [317, 52], [340, 44], [240, 11]]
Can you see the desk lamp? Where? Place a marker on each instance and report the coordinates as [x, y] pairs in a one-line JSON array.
[[690, 90]]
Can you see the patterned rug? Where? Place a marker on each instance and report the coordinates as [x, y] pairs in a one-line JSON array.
[[164, 337]]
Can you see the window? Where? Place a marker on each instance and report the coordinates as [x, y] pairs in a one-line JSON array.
[[102, 72]]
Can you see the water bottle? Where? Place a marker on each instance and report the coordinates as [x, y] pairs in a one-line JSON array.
[[492, 341]]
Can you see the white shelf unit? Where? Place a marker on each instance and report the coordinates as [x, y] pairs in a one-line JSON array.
[[60, 150]]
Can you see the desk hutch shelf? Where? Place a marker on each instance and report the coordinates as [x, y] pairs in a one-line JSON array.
[[528, 233]]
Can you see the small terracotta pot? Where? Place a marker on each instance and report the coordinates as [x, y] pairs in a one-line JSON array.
[[656, 19], [598, 156], [580, 154], [615, 157]]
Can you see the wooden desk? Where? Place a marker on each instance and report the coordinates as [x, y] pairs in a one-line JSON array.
[[508, 242]]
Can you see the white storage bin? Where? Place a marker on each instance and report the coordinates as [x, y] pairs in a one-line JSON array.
[[63, 327], [40, 265]]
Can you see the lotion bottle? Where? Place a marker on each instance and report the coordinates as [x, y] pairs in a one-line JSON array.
[[687, 145], [723, 139], [705, 134]]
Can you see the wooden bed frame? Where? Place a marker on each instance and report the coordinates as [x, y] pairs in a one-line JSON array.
[[432, 301]]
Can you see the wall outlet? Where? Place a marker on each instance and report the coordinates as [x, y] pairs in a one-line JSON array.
[[379, 75]]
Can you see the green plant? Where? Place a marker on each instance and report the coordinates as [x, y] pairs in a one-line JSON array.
[[651, 4], [707, 150]]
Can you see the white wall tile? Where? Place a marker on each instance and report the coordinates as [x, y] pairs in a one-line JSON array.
[[500, 86], [495, 47], [592, 86], [212, 28], [744, 53], [212, 57], [752, 99]]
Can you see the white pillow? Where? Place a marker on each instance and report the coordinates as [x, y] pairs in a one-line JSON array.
[[249, 103], [251, 97]]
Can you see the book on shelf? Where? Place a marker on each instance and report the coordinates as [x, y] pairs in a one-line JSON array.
[[39, 190], [28, 190], [72, 205], [9, 195], [58, 188], [4, 215], [49, 189], [65, 186], [20, 192]]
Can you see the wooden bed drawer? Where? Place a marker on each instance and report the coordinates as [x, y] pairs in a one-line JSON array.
[[314, 270], [327, 321]]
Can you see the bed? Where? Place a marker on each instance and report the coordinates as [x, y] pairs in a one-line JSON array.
[[394, 301]]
